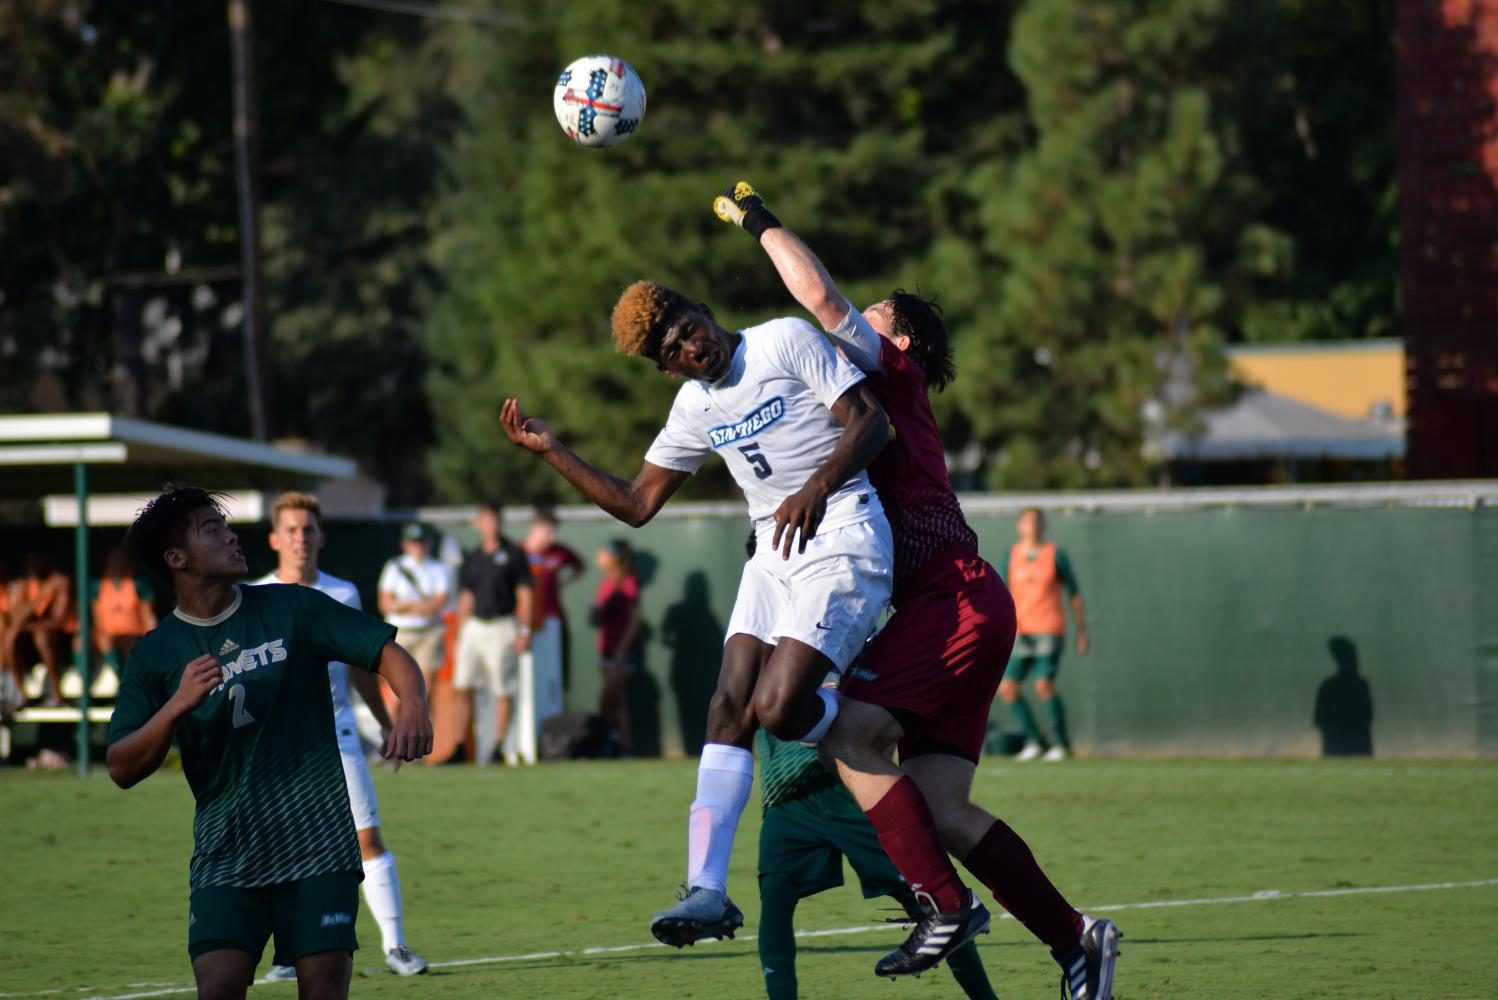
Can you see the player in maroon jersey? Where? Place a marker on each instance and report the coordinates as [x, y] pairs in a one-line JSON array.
[[929, 678]]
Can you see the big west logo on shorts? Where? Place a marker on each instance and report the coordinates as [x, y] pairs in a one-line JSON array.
[[248, 659], [768, 412]]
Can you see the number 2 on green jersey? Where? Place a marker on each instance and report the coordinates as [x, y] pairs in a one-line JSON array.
[[241, 717]]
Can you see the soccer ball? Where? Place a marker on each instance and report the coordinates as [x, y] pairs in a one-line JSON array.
[[599, 101]]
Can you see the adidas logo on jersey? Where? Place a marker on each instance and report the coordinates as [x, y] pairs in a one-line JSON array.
[[768, 412], [228, 647]]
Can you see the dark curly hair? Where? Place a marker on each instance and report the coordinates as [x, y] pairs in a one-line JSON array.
[[162, 524], [919, 318]]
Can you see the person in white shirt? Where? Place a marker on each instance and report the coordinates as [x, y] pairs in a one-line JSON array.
[[414, 590], [297, 538], [796, 427]]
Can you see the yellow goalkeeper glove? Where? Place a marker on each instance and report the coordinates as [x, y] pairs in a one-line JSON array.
[[742, 206]]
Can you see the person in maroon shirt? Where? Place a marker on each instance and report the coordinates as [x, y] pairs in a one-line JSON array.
[[928, 679], [553, 566], [616, 613]]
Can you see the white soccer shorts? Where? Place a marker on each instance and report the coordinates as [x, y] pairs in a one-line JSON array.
[[486, 657], [830, 597], [361, 793]]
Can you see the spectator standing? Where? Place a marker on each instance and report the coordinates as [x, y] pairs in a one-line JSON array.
[[553, 566], [616, 612], [121, 608], [1038, 572], [42, 618], [414, 590], [494, 612]]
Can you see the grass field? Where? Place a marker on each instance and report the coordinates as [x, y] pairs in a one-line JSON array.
[[500, 863]]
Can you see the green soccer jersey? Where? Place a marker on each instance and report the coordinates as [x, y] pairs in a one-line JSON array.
[[259, 753], [789, 771]]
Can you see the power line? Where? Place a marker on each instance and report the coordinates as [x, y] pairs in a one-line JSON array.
[[442, 12]]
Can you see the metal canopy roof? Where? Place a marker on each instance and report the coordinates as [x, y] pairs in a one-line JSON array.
[[38, 450], [1264, 424]]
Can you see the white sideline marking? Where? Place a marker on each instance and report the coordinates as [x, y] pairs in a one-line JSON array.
[[1257, 897]]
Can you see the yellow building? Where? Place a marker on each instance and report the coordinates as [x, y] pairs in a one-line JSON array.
[[1355, 379]]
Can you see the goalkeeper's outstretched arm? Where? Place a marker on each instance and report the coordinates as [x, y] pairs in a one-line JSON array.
[[805, 276]]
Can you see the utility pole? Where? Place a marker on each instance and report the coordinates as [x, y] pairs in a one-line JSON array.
[[247, 176]]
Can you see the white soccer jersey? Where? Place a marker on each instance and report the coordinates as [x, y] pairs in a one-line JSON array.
[[343, 592], [770, 418]]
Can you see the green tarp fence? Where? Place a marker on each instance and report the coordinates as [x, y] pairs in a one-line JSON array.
[[1287, 630]]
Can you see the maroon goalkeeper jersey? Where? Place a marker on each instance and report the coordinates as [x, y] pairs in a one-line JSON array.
[[911, 472]]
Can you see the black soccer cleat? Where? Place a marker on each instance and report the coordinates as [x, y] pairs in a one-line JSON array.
[[1087, 970], [700, 914], [936, 935]]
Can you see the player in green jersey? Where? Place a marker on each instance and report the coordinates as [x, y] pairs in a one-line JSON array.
[[237, 676], [811, 823]]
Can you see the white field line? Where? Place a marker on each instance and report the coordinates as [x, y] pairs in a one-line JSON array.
[[535, 956]]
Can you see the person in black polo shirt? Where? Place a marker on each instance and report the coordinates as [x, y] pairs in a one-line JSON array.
[[494, 614]]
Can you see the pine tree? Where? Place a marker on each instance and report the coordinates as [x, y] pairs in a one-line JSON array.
[[845, 116], [1122, 242]]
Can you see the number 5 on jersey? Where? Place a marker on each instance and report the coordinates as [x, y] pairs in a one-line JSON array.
[[757, 459]]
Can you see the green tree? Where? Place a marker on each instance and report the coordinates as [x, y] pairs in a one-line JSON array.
[[847, 116], [110, 166], [1123, 244], [118, 213], [347, 253], [1316, 111]]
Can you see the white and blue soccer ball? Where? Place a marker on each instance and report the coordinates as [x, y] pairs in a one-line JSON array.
[[599, 101]]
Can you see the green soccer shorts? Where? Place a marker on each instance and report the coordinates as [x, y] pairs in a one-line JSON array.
[[307, 916], [1035, 654], [806, 839]]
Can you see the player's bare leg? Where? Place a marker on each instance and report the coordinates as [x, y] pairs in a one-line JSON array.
[[503, 706], [324, 975], [774, 686], [1086, 949], [10, 661], [224, 974], [725, 775]]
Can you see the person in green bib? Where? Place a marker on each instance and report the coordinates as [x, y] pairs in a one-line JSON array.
[[237, 678]]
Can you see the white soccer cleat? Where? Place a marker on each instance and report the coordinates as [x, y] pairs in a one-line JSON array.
[[1032, 751], [404, 962], [280, 973], [1057, 752]]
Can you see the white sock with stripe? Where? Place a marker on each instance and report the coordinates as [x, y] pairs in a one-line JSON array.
[[725, 776]]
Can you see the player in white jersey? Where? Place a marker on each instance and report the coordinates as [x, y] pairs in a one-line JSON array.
[[297, 538], [796, 427]]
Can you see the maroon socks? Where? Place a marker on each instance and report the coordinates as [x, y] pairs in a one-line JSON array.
[[1004, 863], [908, 835]]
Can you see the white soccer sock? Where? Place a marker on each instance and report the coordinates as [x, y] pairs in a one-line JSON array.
[[382, 891], [725, 776], [829, 712]]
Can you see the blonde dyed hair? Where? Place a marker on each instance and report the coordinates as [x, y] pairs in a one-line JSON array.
[[295, 501], [642, 315]]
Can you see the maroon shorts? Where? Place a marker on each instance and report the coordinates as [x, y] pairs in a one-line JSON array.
[[937, 662]]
